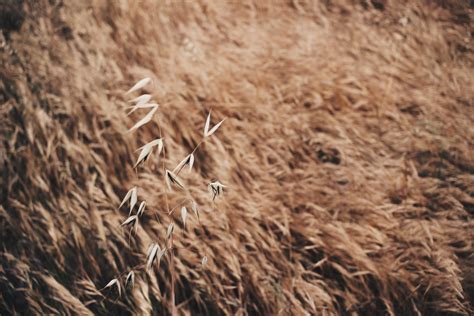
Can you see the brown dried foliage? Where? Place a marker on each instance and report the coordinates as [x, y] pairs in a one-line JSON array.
[[347, 156]]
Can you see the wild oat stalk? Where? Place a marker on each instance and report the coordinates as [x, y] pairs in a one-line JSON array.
[[171, 181]]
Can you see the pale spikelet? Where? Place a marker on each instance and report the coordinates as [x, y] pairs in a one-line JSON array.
[[184, 215], [128, 195], [171, 179], [214, 129], [144, 98], [145, 119], [189, 161], [147, 150], [194, 207], [151, 256], [141, 209], [204, 261], [156, 142], [142, 106], [169, 232], [130, 221], [140, 84], [206, 126], [130, 279], [133, 200], [116, 283], [131, 196], [216, 189], [208, 132]]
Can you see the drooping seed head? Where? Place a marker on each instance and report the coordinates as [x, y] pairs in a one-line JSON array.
[[140, 84], [130, 280], [132, 220], [172, 179], [115, 282], [216, 189], [141, 209], [154, 249], [184, 215]]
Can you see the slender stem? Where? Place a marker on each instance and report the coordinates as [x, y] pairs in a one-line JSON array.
[[194, 150], [202, 141], [172, 294], [172, 264], [173, 305]]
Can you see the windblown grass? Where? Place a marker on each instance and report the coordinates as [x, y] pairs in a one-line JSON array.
[[347, 156]]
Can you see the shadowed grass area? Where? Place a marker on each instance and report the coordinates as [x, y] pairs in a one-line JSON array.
[[347, 153]]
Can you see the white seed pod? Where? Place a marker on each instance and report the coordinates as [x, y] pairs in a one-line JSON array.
[[204, 261], [206, 126], [184, 215], [147, 149], [216, 189], [208, 132], [130, 221], [143, 99], [214, 129], [133, 201], [194, 207], [130, 196], [151, 256], [140, 84], [171, 179], [130, 280], [116, 283], [147, 118], [141, 209], [142, 106], [169, 232], [189, 161]]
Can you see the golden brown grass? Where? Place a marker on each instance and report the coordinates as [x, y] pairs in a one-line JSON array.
[[347, 156]]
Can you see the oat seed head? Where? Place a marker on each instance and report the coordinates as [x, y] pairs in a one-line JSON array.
[[140, 84]]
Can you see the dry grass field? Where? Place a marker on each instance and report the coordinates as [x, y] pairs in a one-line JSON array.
[[347, 152]]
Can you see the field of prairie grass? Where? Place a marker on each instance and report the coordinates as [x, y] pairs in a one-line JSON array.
[[347, 155]]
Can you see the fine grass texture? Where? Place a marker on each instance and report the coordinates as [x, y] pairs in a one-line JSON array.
[[346, 155]]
